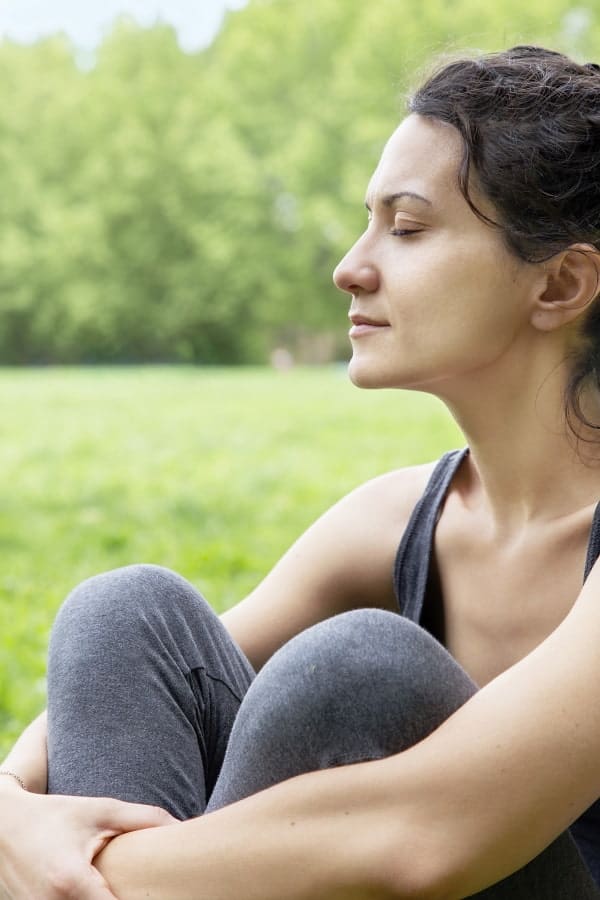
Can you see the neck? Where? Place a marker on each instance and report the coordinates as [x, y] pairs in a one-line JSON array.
[[525, 462]]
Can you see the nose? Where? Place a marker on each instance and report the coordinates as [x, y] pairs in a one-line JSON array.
[[355, 275]]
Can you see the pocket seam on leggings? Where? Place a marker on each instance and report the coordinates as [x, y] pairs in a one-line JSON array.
[[219, 681]]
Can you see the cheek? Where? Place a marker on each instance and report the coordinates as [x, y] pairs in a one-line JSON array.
[[469, 285], [454, 311]]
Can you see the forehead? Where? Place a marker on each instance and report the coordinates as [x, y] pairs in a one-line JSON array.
[[422, 156]]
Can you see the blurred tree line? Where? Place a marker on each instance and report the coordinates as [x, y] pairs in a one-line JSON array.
[[161, 206]]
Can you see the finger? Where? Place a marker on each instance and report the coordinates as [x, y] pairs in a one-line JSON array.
[[93, 887], [117, 816], [95, 892], [78, 882]]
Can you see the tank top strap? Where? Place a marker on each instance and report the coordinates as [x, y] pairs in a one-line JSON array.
[[593, 550], [411, 567]]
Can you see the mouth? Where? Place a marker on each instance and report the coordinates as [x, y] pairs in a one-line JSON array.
[[362, 325]]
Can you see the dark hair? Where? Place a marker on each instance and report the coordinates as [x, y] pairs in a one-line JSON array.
[[530, 123]]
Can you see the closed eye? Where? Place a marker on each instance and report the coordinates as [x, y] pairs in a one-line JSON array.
[[404, 232]]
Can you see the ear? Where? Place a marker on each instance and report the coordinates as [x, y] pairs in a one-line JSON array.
[[571, 283]]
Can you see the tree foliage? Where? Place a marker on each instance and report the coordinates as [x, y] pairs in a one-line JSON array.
[[161, 206]]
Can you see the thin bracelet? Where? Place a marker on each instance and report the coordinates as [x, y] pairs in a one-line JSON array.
[[15, 776]]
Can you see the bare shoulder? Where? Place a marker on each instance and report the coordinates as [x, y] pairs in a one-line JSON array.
[[375, 514], [392, 496], [353, 544], [342, 562]]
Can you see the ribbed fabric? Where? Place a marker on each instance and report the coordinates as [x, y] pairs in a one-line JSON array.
[[411, 568]]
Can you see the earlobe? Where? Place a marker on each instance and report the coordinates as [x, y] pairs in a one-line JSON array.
[[571, 284]]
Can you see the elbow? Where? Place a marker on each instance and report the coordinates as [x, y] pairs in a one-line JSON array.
[[420, 885], [413, 873]]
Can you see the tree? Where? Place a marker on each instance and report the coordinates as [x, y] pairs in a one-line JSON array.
[[165, 206]]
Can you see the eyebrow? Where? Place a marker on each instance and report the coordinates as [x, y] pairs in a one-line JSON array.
[[390, 199]]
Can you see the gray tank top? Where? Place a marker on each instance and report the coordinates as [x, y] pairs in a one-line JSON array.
[[414, 584]]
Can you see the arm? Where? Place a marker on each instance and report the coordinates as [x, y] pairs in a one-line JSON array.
[[316, 837], [29, 758], [476, 800]]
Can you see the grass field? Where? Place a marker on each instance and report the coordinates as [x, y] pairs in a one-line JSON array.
[[212, 472]]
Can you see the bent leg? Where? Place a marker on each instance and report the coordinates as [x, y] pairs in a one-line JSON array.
[[362, 686], [359, 686], [144, 683]]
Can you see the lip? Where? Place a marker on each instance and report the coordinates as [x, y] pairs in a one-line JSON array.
[[362, 325]]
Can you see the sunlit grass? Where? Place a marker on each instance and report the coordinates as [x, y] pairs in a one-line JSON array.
[[212, 472]]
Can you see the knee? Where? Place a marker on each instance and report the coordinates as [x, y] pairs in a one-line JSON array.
[[322, 662], [381, 650], [123, 600], [363, 646], [366, 668], [385, 654]]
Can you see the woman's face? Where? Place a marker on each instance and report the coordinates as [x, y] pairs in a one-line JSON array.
[[436, 295]]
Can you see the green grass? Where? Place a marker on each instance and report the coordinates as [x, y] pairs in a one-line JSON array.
[[213, 472]]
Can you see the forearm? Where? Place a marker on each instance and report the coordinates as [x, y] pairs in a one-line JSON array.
[[28, 758], [325, 835]]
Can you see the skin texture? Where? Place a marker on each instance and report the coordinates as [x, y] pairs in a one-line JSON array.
[[451, 312]]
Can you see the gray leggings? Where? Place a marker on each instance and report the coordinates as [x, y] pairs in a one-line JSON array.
[[150, 700]]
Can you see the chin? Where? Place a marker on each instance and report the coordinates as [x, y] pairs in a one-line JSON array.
[[371, 377], [363, 376]]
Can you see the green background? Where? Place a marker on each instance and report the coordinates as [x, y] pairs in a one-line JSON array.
[[159, 206]]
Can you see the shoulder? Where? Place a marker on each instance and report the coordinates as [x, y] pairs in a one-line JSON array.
[[387, 500], [368, 524], [351, 548]]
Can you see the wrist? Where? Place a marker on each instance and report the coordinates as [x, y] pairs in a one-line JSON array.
[[28, 757]]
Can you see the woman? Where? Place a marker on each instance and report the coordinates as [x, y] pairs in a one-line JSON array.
[[366, 759]]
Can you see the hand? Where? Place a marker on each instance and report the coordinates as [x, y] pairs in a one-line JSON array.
[[48, 843]]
